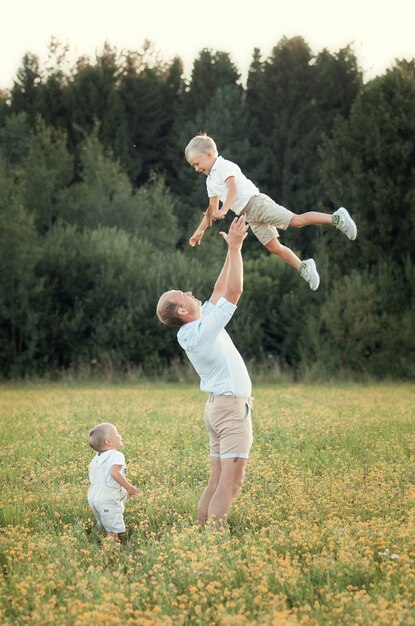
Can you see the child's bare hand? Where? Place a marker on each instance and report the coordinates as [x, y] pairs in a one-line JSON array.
[[133, 492], [218, 215], [196, 238]]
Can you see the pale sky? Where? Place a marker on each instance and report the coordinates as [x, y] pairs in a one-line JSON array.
[[379, 31]]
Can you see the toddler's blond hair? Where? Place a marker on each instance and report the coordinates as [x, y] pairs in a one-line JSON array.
[[98, 434]]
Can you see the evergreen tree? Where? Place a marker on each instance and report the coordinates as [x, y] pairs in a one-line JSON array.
[[46, 170], [15, 137], [4, 108], [51, 95], [91, 97], [18, 285], [369, 166], [211, 70], [103, 194], [142, 90], [24, 93]]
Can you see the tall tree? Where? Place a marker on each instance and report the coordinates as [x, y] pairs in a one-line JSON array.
[[24, 93], [93, 96], [47, 169], [293, 99], [15, 137], [4, 108], [369, 166], [51, 100], [143, 89], [211, 70], [19, 249]]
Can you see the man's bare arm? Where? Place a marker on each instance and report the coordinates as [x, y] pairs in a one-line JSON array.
[[230, 281], [220, 285]]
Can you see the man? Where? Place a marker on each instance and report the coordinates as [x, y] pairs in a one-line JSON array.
[[222, 372]]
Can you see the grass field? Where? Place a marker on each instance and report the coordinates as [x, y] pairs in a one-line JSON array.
[[323, 531]]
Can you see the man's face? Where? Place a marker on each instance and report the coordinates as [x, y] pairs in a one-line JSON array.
[[202, 163], [189, 303]]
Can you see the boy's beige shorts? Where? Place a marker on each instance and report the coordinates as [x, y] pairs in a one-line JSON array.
[[264, 216], [229, 424]]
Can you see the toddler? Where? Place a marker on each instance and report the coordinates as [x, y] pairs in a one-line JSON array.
[[108, 484]]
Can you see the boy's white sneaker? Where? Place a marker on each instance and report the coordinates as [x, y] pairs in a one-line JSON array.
[[343, 221], [309, 272]]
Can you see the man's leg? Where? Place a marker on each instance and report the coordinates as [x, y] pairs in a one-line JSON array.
[[202, 509], [231, 480]]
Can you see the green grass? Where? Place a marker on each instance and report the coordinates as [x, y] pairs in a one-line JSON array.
[[322, 532]]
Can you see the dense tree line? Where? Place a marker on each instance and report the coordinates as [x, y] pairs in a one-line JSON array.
[[97, 203]]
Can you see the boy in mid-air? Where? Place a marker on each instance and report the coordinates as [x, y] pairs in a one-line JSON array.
[[226, 183], [108, 485]]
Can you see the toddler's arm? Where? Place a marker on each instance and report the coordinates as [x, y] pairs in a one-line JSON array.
[[121, 480]]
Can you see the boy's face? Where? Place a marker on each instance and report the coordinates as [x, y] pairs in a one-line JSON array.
[[203, 162], [113, 439]]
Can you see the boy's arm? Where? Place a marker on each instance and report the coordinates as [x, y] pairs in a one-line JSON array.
[[205, 223], [230, 198], [119, 478]]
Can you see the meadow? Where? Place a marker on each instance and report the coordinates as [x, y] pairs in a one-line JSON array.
[[321, 534]]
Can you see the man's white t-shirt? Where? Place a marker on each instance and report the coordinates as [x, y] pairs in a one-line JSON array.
[[216, 184], [212, 352], [103, 487]]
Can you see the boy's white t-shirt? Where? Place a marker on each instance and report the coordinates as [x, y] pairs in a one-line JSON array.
[[216, 184], [103, 487]]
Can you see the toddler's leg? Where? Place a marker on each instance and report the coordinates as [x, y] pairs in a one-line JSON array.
[[307, 268]]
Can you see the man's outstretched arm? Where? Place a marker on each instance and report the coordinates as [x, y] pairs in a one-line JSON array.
[[220, 285], [230, 281]]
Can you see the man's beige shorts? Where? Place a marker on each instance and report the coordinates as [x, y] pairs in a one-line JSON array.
[[229, 423], [264, 217]]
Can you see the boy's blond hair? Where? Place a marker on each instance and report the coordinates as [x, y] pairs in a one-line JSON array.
[[98, 434], [200, 144]]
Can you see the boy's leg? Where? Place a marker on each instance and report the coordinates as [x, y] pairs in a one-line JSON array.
[[341, 219], [203, 507], [312, 217], [287, 255], [307, 268]]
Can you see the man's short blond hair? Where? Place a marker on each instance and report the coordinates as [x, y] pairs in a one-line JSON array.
[[167, 311], [200, 144], [98, 434]]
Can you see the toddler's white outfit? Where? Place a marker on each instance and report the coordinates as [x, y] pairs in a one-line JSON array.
[[105, 496]]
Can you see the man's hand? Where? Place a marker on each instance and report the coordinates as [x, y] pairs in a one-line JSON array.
[[196, 237], [238, 231], [133, 491]]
